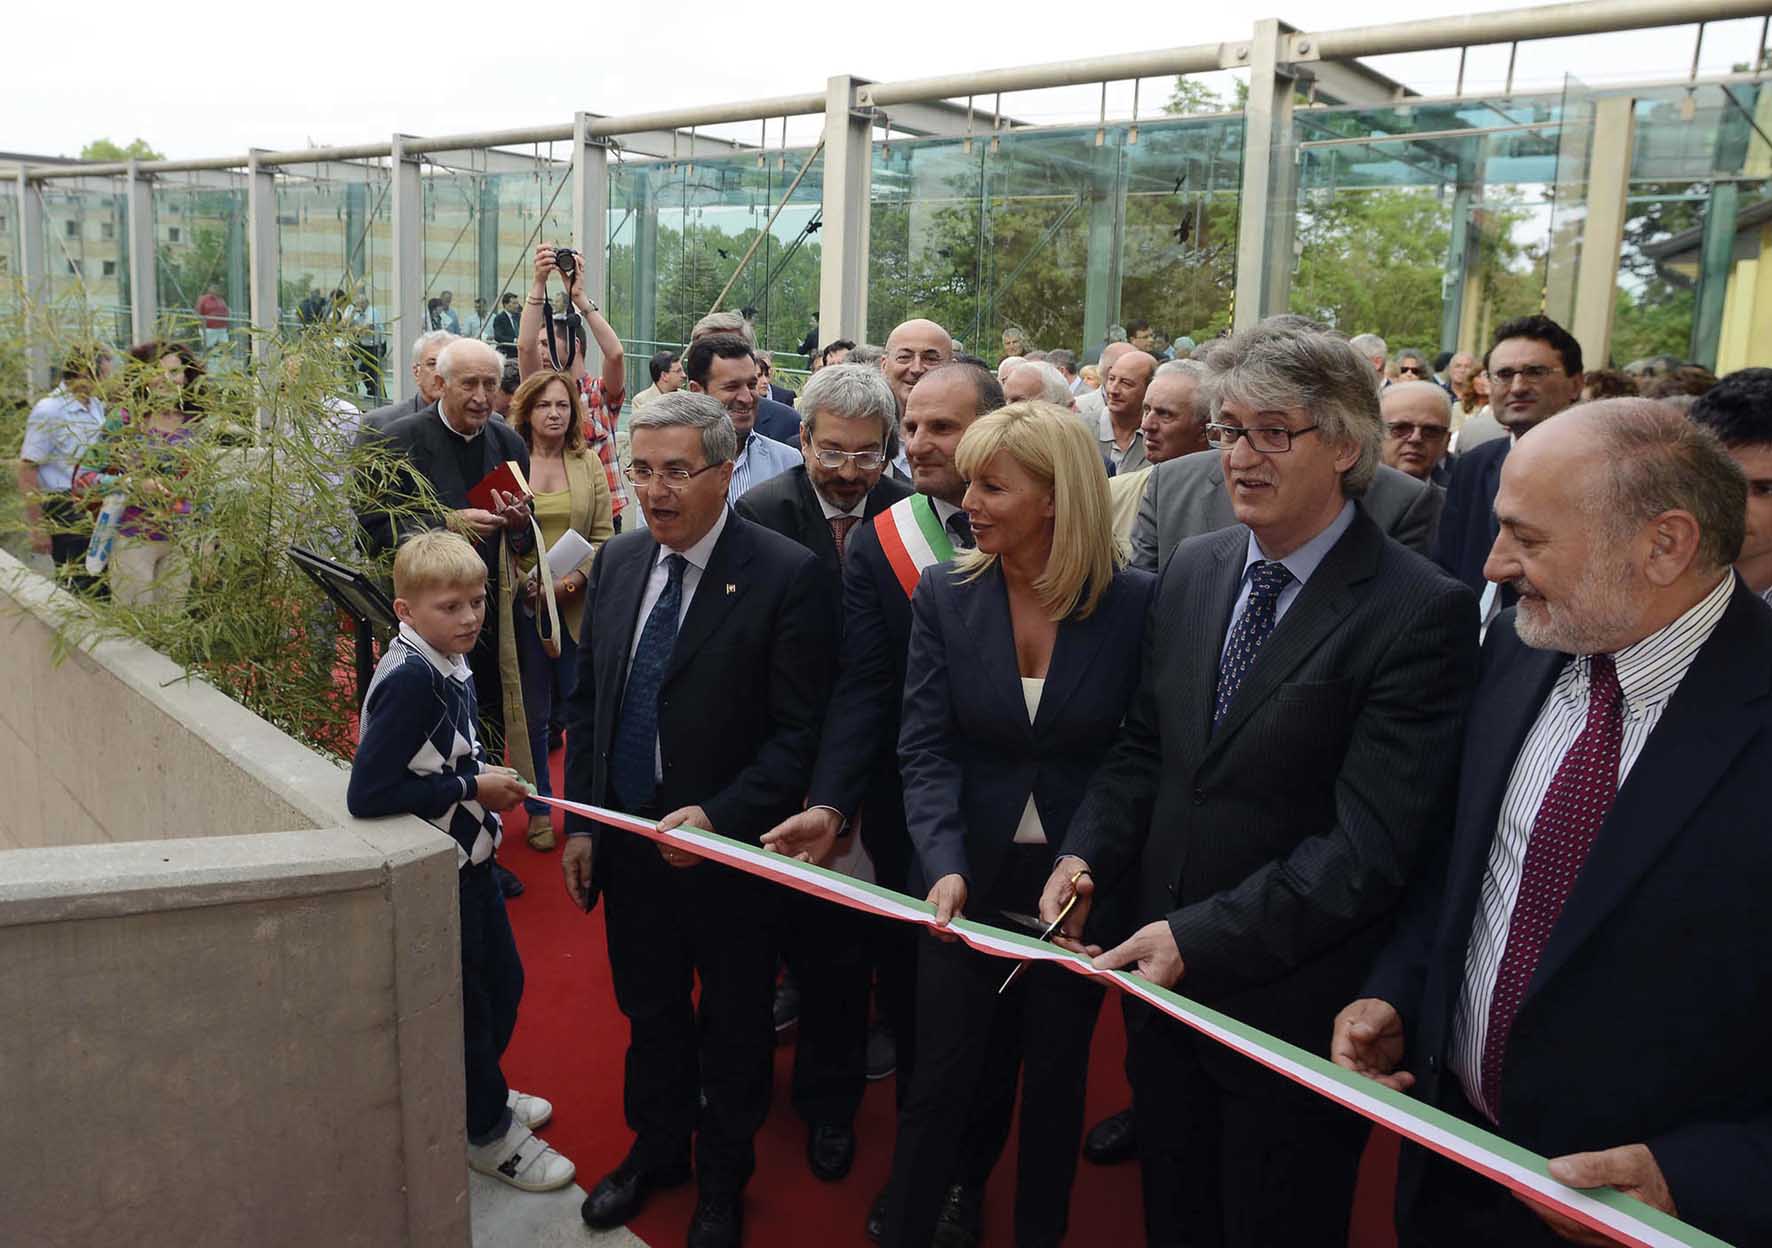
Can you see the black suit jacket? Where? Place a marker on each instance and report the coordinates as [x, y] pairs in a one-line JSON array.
[[788, 504], [1278, 846], [862, 728], [745, 693], [778, 421], [1467, 525], [382, 417], [1649, 1017], [428, 449], [968, 754]]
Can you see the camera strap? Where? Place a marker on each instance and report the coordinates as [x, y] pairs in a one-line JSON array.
[[573, 331]]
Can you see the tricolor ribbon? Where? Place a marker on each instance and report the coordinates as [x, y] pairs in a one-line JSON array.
[[1625, 1219]]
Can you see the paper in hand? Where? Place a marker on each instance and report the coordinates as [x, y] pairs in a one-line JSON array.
[[566, 554]]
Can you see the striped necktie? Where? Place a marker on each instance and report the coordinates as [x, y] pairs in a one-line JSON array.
[[633, 757]]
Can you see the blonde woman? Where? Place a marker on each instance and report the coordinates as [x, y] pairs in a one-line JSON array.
[[1024, 654], [571, 492]]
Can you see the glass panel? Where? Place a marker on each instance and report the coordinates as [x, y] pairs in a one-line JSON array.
[[11, 270], [335, 237], [86, 245], [200, 260]]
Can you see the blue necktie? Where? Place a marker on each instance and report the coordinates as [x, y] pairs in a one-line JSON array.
[[1266, 580], [634, 758]]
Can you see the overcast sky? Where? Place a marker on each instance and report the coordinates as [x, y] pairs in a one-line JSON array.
[[215, 81]]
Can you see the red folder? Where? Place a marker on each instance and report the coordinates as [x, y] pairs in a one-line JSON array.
[[507, 478]]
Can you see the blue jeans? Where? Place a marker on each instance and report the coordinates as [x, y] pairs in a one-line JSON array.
[[547, 683]]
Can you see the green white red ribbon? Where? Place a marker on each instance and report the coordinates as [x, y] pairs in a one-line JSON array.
[[1627, 1220]]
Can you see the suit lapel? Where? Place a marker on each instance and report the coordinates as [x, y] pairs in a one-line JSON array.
[[1073, 654], [984, 606], [624, 584], [815, 530], [1321, 604], [1710, 719], [1207, 613], [723, 586]]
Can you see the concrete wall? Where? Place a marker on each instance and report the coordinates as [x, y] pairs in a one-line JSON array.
[[232, 1012]]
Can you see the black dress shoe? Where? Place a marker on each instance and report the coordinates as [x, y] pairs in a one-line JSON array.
[[1111, 1140], [961, 1219], [876, 1224], [718, 1222], [830, 1150], [620, 1193], [508, 883]]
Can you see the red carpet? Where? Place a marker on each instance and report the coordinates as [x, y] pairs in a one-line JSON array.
[[569, 1047]]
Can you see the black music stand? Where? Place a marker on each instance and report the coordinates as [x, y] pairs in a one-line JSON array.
[[358, 597]]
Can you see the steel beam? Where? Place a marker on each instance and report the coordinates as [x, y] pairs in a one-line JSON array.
[[590, 220], [1270, 183], [407, 307], [264, 252], [1160, 63], [1602, 231], [1102, 273], [34, 280], [144, 287], [848, 171], [1348, 82], [1716, 259]]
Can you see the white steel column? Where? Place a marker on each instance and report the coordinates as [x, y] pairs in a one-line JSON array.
[[407, 321], [263, 252], [1269, 196], [848, 174], [144, 289], [1602, 230], [34, 277], [590, 219]]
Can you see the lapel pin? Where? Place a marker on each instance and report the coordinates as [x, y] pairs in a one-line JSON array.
[[731, 588]]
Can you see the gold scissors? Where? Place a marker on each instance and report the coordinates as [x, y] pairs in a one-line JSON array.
[[1047, 934]]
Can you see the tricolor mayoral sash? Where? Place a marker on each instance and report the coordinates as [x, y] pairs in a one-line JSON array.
[[912, 539]]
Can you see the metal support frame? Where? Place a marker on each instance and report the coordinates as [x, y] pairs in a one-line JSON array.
[[34, 278], [590, 219], [144, 287], [1716, 260], [645, 325], [1602, 231], [848, 173], [1102, 272], [1270, 180], [487, 270], [407, 306], [264, 252]]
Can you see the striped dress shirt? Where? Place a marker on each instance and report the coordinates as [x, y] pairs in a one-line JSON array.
[[760, 459], [1648, 674]]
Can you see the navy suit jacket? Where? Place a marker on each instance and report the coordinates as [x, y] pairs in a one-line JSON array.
[[1467, 525], [743, 697], [778, 421], [969, 756], [1649, 1016]]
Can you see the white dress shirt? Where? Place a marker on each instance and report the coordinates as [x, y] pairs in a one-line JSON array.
[[1648, 674], [696, 557], [1030, 831]]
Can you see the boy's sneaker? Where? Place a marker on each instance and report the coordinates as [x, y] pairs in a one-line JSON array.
[[523, 1160], [531, 1111]]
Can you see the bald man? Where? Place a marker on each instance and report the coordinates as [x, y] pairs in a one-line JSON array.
[[1090, 406], [1417, 425], [1120, 432], [912, 349]]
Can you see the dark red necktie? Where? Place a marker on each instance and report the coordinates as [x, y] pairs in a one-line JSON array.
[[1576, 804], [840, 526]]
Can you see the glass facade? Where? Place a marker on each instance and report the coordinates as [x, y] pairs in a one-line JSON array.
[[200, 258], [86, 261], [334, 255]]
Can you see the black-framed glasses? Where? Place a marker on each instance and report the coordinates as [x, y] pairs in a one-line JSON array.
[[867, 461], [643, 475], [1533, 373], [1413, 370], [1272, 441], [1403, 430]]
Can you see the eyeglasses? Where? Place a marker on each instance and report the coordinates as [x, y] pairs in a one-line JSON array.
[[929, 358], [867, 461], [1533, 373], [1414, 370], [673, 479], [1403, 430], [1267, 441]]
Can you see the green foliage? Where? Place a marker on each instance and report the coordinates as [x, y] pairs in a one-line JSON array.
[[270, 464], [104, 149]]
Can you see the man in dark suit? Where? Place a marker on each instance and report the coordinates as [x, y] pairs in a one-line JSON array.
[[857, 772], [453, 444], [698, 703], [1590, 971], [427, 385], [1297, 756], [849, 420], [1534, 373]]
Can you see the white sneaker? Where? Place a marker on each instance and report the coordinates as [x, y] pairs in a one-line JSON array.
[[531, 1111], [523, 1160]]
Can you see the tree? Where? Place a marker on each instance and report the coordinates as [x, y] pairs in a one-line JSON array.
[[104, 149]]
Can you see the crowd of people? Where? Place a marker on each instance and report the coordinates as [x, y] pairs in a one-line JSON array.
[[1264, 669]]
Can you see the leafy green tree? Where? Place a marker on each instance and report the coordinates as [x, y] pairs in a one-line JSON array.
[[104, 149]]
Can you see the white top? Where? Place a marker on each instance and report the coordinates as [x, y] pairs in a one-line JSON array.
[[1030, 831], [1649, 673]]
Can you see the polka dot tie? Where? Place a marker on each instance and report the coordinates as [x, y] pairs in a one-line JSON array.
[[1266, 580], [1576, 804]]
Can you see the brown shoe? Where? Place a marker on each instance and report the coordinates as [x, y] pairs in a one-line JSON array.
[[541, 833]]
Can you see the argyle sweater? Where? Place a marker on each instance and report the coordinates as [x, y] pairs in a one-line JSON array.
[[419, 750]]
